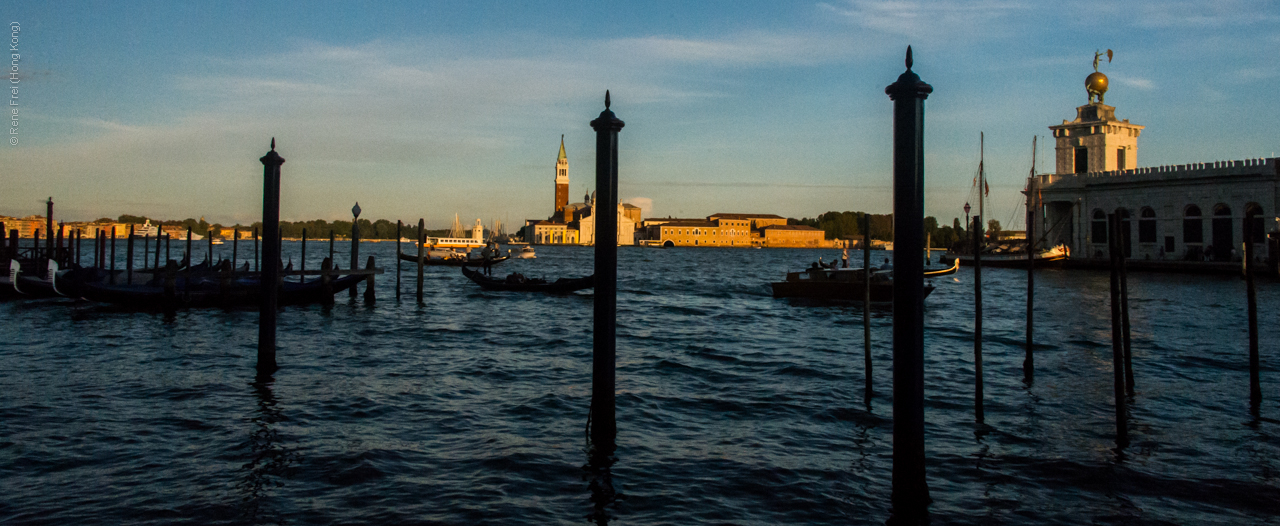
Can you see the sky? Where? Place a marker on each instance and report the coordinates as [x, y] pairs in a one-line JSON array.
[[435, 109]]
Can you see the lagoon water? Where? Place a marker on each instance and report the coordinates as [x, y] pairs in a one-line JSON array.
[[733, 407]]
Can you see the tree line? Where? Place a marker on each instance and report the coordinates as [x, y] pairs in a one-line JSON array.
[[316, 228], [848, 225]]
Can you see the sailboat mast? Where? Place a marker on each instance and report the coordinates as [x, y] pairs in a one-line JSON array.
[[982, 178]]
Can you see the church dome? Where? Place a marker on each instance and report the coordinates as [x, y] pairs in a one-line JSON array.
[[1096, 82]]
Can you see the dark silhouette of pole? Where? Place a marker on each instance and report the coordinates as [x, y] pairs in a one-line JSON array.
[[235, 249], [1117, 339], [866, 301], [1028, 363], [979, 414], [910, 490], [270, 261], [355, 243], [303, 264], [1255, 386], [604, 426], [422, 247], [1124, 314], [48, 242], [113, 255], [398, 251], [128, 261], [331, 238]]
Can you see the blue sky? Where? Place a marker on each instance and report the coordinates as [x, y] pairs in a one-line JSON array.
[[430, 109]]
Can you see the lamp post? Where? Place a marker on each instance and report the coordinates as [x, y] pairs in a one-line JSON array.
[[966, 214]]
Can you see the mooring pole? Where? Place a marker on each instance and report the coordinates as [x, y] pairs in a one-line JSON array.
[[910, 490], [146, 250], [1117, 339], [1028, 363], [257, 261], [978, 414], [355, 243], [604, 425], [370, 294], [270, 279], [48, 242], [235, 248], [866, 301], [1255, 386], [331, 238], [168, 243], [208, 234], [113, 254], [128, 262], [398, 247], [190, 253], [303, 264], [1124, 312], [422, 249]]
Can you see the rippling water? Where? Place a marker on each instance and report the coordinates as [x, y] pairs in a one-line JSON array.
[[733, 407]]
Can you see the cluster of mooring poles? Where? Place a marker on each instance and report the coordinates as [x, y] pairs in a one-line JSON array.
[[422, 254]]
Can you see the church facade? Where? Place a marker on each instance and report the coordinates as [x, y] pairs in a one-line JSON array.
[[574, 223], [1193, 211]]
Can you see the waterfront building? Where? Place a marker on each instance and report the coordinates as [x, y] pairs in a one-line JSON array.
[[27, 226], [574, 223], [733, 230], [1192, 211]]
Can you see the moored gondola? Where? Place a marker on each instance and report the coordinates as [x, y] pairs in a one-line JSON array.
[[516, 282]]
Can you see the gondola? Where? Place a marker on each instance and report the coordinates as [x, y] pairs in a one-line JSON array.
[[220, 289], [838, 284], [933, 273], [452, 262], [516, 282]]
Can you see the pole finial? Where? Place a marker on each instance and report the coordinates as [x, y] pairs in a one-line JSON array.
[[909, 61], [606, 99], [273, 144]]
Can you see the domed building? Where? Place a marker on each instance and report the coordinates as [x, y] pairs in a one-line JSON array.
[[1188, 212]]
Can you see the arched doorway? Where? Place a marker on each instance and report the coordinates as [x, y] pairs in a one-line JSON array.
[[1126, 232], [1253, 232], [668, 244], [1223, 234]]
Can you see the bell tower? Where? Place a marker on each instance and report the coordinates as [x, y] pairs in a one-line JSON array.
[[562, 179]]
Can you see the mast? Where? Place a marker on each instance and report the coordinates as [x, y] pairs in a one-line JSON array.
[[1032, 211], [982, 178]]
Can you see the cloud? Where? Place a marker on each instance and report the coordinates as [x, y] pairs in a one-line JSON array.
[[1137, 82], [933, 20], [644, 203]]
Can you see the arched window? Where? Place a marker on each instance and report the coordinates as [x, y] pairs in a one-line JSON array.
[[1254, 230], [1099, 226], [1147, 225], [1192, 225]]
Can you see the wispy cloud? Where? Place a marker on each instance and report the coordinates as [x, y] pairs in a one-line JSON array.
[[928, 19], [1137, 83]]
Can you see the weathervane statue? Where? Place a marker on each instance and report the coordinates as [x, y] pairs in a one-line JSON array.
[[1096, 83]]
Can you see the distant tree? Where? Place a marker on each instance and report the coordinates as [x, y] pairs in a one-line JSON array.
[[993, 229], [126, 218]]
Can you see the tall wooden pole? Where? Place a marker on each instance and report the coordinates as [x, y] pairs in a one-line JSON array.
[[355, 243], [866, 301], [398, 251], [1121, 243], [1028, 362], [979, 414], [1117, 339], [910, 497], [303, 264], [128, 261], [113, 255], [604, 426], [235, 249], [270, 261], [49, 240], [422, 249], [1255, 386]]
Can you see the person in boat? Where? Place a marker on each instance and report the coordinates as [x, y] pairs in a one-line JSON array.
[[886, 265], [844, 258], [516, 277], [488, 254]]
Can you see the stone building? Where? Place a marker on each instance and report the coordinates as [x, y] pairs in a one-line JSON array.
[[733, 230], [1190, 211], [574, 223]]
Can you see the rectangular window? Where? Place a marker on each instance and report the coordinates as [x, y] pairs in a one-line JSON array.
[[1120, 159], [1168, 244], [1099, 231], [1082, 160]]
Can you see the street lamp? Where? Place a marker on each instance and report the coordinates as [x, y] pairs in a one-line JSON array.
[[967, 226]]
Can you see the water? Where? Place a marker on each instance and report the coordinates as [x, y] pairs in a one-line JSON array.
[[733, 407]]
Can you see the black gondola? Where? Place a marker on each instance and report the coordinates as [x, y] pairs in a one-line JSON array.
[[516, 282], [463, 261]]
